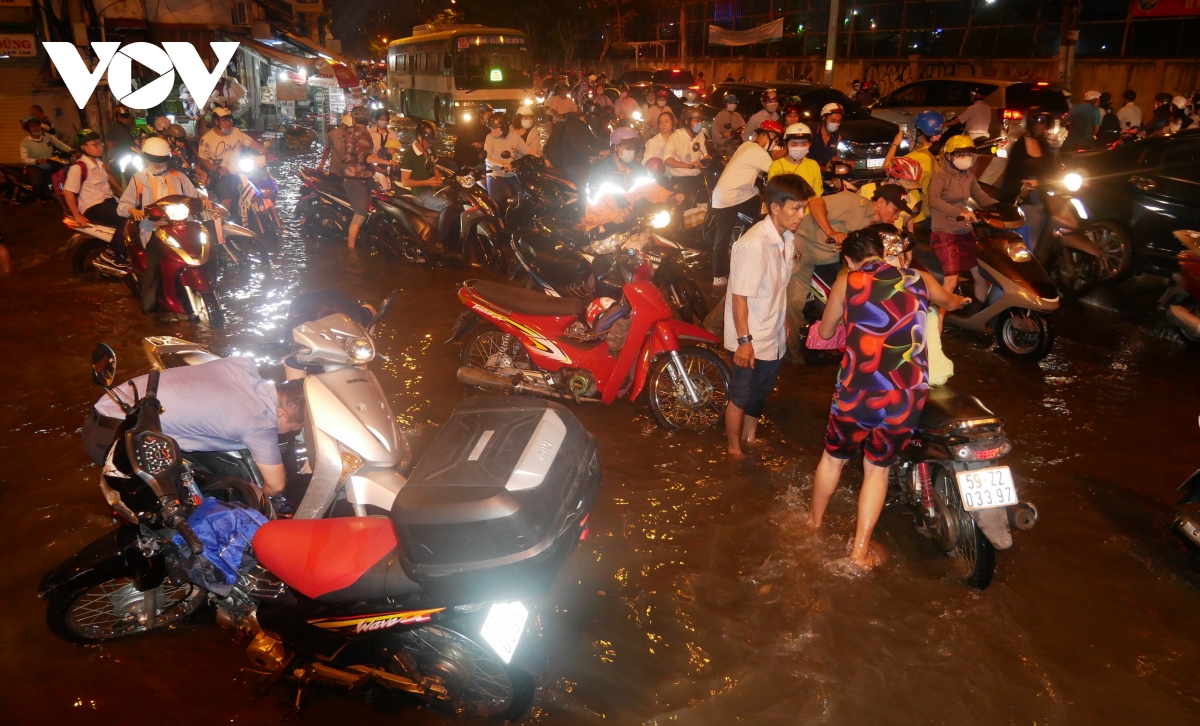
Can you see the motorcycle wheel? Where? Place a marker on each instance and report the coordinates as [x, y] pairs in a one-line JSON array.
[[958, 536], [1024, 334], [491, 349], [668, 396], [391, 242], [323, 224], [110, 609], [83, 261], [1116, 251], [477, 682], [1075, 272], [688, 301], [213, 309]]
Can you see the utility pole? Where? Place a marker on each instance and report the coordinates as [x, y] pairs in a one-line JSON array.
[[1070, 36], [831, 42], [682, 34]]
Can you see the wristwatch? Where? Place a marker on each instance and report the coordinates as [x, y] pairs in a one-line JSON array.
[[743, 340]]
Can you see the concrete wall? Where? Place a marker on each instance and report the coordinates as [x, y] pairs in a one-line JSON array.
[[1146, 77]]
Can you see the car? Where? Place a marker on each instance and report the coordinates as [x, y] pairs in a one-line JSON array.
[[951, 96], [865, 139], [679, 82], [1140, 193], [637, 78]]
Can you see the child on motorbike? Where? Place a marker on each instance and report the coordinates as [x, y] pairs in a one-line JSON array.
[[950, 188]]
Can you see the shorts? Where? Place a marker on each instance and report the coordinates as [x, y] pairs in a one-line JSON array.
[[878, 422], [749, 387], [358, 194], [956, 252], [227, 186]]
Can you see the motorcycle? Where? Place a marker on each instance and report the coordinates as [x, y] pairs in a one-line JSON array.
[[339, 601], [948, 473], [16, 183], [1078, 255], [522, 341], [1181, 301], [257, 201]]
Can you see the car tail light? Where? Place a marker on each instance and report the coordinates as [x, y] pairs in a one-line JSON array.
[[1011, 114], [695, 88], [1043, 84]]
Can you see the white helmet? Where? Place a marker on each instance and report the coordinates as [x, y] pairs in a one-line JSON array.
[[1179, 102], [831, 108], [156, 150], [524, 111], [797, 131], [221, 112]]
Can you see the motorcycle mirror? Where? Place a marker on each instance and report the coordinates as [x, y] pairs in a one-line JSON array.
[[104, 366], [387, 304]]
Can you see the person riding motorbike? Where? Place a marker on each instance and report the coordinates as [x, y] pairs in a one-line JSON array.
[[1030, 161], [953, 239], [661, 97], [619, 181], [468, 143], [728, 123], [825, 141], [685, 153], [161, 124], [147, 186], [929, 129], [656, 145], [736, 191], [37, 151], [220, 405], [181, 154], [90, 188], [420, 173], [560, 105], [218, 156], [523, 126], [976, 120], [570, 148], [791, 114], [769, 112], [503, 146], [119, 139], [797, 139], [626, 105]]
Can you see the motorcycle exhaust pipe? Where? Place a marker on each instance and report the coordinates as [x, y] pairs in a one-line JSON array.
[[1022, 516], [486, 379], [1184, 318]]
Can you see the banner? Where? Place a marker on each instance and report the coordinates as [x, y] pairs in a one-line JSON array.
[[1165, 8], [290, 91], [17, 46], [762, 34]]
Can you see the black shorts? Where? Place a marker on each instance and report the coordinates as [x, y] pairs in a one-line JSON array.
[[358, 194], [749, 387], [227, 186], [878, 422]]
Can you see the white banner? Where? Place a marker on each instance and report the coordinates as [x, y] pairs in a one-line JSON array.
[[762, 34]]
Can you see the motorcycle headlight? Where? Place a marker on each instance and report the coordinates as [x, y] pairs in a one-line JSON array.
[[637, 115], [1018, 252], [1073, 182], [660, 220], [466, 181], [177, 212], [246, 165], [360, 350], [1079, 208]]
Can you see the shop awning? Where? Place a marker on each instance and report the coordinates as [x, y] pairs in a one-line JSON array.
[[295, 62], [312, 47]]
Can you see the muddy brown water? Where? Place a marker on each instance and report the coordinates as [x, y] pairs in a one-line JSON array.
[[699, 597]]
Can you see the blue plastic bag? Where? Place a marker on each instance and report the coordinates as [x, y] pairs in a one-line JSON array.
[[226, 530]]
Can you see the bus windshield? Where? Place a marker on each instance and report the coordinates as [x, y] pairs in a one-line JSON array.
[[490, 61]]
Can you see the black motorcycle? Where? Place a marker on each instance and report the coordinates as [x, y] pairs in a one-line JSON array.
[[341, 601]]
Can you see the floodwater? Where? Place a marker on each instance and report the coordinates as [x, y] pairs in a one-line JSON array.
[[699, 598]]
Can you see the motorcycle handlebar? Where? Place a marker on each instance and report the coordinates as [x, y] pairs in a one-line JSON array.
[[185, 530], [152, 383]]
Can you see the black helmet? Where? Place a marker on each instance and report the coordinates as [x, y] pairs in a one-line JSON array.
[[1038, 121], [590, 108], [483, 108], [176, 131], [730, 98], [86, 135], [425, 130], [498, 121], [769, 94]]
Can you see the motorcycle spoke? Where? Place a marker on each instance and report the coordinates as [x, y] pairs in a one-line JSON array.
[[95, 614]]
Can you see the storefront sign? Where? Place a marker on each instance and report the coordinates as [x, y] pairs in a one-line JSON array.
[[16, 3], [17, 46], [1165, 8], [289, 91]]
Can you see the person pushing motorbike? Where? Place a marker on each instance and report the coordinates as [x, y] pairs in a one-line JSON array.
[[420, 173]]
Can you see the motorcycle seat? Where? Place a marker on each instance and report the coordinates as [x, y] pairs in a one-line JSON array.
[[924, 256], [945, 406], [406, 201], [344, 559], [529, 302], [560, 176]]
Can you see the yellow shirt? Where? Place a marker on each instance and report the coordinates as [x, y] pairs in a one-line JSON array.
[[806, 169], [925, 159]]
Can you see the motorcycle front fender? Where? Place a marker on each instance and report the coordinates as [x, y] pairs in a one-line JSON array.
[[467, 320], [1079, 241], [661, 339], [1192, 487], [196, 278], [115, 554], [236, 230]]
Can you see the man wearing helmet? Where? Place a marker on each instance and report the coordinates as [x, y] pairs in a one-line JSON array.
[[119, 138], [827, 138], [147, 186], [36, 151], [570, 148], [736, 191], [685, 153], [90, 188], [620, 169], [728, 123], [560, 105], [419, 172], [1083, 120], [470, 135], [181, 155], [358, 172], [769, 112], [335, 146], [218, 155], [951, 187], [976, 120], [903, 171], [797, 139], [503, 146], [929, 128]]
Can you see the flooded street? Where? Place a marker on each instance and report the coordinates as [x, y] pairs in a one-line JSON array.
[[699, 597]]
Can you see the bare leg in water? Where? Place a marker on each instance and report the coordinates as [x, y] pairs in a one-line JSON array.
[[870, 502], [738, 428]]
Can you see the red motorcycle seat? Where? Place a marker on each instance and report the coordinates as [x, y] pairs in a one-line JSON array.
[[322, 556], [529, 302]]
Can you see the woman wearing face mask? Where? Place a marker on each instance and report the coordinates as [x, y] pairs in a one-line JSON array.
[[950, 189], [381, 134], [769, 112], [618, 172], [503, 146], [728, 124], [685, 153], [797, 138], [657, 144], [523, 127], [658, 107], [825, 141]]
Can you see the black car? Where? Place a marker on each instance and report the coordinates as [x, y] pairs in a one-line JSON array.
[[865, 140], [637, 78], [1142, 192]]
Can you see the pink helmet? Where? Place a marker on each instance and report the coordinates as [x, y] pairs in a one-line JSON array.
[[623, 133]]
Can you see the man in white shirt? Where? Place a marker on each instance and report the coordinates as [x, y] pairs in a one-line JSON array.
[[976, 120], [560, 105], [769, 112], [756, 330], [736, 192], [503, 146], [685, 152], [626, 105], [218, 155], [1130, 114], [90, 187]]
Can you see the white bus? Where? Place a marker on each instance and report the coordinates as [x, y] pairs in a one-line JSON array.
[[443, 71]]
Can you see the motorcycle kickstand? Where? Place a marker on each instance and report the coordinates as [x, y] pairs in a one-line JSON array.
[[302, 686]]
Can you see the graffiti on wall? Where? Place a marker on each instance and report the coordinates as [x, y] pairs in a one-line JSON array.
[[891, 75], [799, 70]]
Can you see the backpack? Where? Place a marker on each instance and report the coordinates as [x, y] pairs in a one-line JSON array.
[[1110, 129], [58, 180]]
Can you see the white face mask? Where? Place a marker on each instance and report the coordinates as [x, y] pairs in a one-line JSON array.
[[770, 106], [627, 155], [962, 163], [797, 152], [497, 132], [661, 102], [157, 169], [381, 123], [697, 128], [832, 128], [526, 123], [731, 107]]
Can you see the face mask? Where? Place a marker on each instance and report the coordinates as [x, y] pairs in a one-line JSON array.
[[770, 106], [731, 107], [661, 102], [831, 128], [627, 155], [697, 128], [157, 169], [497, 132], [962, 163], [526, 123], [381, 123], [797, 152]]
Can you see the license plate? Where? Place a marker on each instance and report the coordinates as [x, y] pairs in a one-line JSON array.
[[874, 163], [678, 93], [987, 488], [503, 628]]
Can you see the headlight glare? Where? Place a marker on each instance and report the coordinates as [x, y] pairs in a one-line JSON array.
[[1073, 182], [246, 165], [360, 350], [466, 181], [1018, 252], [177, 212], [660, 220]]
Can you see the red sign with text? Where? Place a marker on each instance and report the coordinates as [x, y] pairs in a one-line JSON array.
[[1165, 8]]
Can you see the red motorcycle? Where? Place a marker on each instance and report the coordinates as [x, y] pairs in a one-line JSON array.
[[1181, 301], [521, 341]]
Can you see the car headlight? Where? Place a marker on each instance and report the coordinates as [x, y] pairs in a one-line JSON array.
[[1073, 182], [177, 212], [246, 165], [466, 181], [1018, 252], [1079, 208], [660, 220], [360, 350], [843, 147]]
